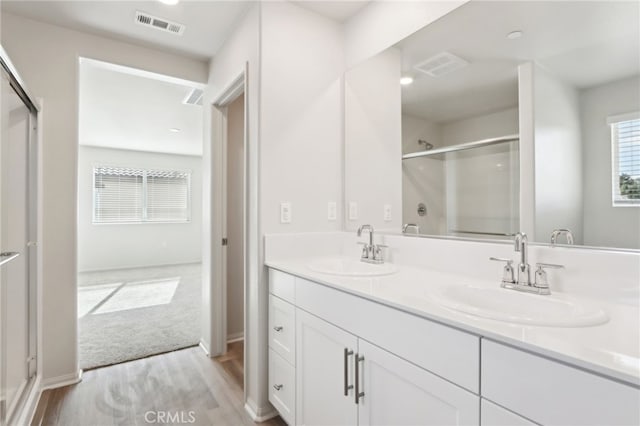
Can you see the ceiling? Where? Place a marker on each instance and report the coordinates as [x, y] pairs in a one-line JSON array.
[[337, 10], [124, 110], [583, 43], [208, 23]]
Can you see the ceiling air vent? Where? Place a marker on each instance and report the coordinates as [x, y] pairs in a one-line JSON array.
[[441, 64], [159, 23], [194, 97]]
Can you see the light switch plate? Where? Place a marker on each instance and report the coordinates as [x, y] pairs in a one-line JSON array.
[[332, 210], [285, 212], [353, 210], [387, 213]]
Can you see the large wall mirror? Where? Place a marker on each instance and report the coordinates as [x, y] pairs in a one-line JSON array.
[[498, 118]]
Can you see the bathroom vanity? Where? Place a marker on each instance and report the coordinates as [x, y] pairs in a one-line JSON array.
[[350, 346]]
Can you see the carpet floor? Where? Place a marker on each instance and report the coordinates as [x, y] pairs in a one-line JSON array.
[[129, 314]]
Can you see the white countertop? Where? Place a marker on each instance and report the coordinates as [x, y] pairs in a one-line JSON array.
[[611, 349]]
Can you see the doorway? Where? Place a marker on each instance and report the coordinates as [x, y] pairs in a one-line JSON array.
[[231, 122], [139, 214]]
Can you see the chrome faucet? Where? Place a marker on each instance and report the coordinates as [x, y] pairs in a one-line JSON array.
[[540, 285], [371, 253], [559, 232], [521, 246], [410, 225]]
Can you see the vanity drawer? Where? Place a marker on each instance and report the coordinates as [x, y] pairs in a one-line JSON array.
[[282, 387], [448, 352], [552, 393], [282, 285], [282, 328]]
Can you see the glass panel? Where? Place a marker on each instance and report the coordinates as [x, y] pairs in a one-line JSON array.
[[15, 295], [467, 193]]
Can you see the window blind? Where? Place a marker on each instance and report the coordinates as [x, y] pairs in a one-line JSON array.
[[127, 195], [625, 139], [167, 196]]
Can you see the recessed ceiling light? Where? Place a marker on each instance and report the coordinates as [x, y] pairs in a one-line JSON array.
[[174, 130], [169, 2], [514, 35], [406, 80]]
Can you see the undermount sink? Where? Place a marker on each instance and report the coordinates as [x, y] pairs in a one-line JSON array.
[[556, 310], [350, 268]]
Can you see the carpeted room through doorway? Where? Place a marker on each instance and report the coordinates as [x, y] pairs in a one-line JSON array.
[[129, 314]]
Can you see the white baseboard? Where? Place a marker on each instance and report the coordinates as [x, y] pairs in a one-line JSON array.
[[204, 347], [235, 337], [31, 404], [60, 381], [260, 415]]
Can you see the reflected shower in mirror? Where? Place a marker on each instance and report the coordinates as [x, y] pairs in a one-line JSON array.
[[506, 116]]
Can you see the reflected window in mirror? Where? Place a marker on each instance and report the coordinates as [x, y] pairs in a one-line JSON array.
[[625, 146]]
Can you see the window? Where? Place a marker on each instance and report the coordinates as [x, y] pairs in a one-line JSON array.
[[625, 146], [126, 195]]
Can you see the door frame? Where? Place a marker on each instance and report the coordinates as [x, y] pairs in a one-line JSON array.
[[219, 140]]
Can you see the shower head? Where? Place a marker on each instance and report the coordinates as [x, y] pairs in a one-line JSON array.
[[427, 145]]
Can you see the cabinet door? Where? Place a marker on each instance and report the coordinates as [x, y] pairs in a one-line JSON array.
[[320, 373], [397, 392], [494, 415]]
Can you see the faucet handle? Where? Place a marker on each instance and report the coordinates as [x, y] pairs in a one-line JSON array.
[[501, 259], [548, 265], [541, 281], [508, 278]]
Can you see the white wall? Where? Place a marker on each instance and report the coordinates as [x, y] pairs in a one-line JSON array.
[[112, 246], [558, 148], [373, 141], [381, 24], [496, 124], [301, 117], [47, 58], [605, 225]]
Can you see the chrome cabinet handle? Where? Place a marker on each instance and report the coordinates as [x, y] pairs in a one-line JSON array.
[[8, 256], [358, 394], [278, 328], [277, 387], [347, 386]]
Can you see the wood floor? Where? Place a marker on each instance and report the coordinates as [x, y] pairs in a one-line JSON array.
[[184, 386]]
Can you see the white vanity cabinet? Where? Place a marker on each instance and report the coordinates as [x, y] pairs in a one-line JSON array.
[[332, 365], [326, 346], [396, 392], [282, 347], [324, 372], [552, 393], [329, 359]]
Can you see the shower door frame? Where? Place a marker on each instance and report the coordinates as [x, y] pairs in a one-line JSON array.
[[25, 405]]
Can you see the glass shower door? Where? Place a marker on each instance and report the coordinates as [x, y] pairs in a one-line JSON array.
[[17, 284]]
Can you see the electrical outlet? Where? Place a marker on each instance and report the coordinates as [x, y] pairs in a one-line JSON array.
[[332, 210], [387, 213], [353, 210], [285, 212]]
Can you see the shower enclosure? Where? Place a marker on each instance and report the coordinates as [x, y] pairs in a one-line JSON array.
[[18, 221], [465, 190]]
